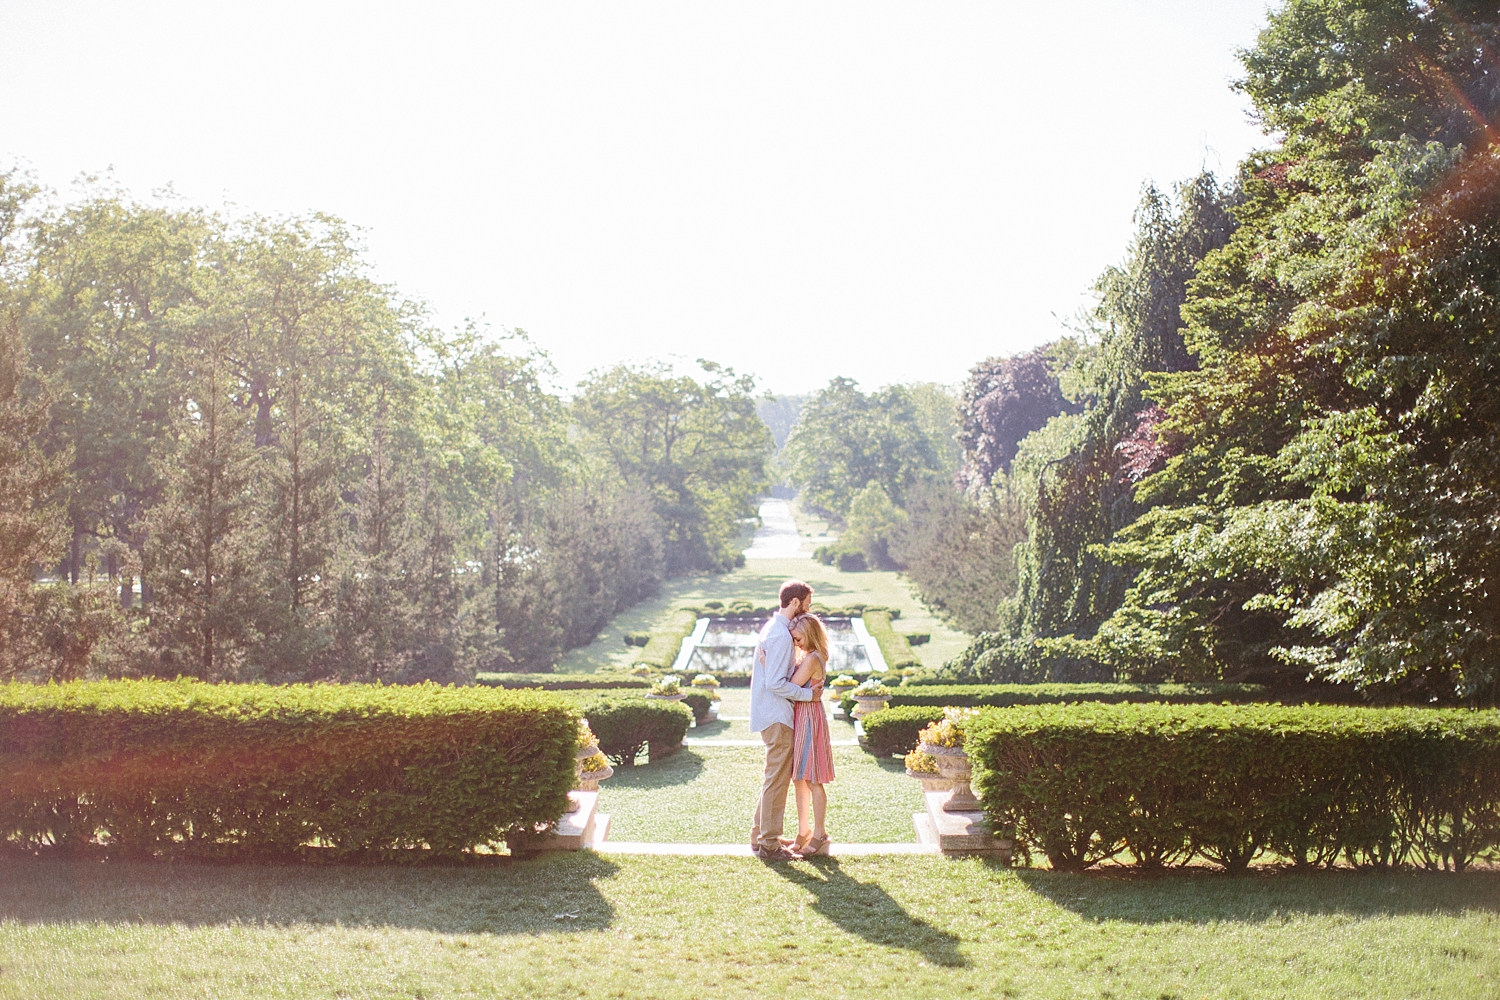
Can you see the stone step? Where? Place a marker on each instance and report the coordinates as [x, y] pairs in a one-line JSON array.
[[581, 828], [958, 833]]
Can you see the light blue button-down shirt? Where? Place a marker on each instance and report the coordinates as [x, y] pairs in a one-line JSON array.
[[771, 689]]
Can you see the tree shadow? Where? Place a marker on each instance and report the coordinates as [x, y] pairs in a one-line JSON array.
[[1201, 896], [681, 767], [554, 893], [867, 910]]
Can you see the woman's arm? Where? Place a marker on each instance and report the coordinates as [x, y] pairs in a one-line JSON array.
[[810, 667]]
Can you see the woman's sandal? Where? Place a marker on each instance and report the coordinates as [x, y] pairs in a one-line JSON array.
[[813, 846]]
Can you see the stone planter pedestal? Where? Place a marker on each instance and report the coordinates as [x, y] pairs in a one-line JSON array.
[[954, 821], [864, 706], [581, 827], [930, 782]]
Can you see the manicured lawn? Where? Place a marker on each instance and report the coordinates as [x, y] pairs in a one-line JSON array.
[[707, 794], [694, 928], [758, 581]]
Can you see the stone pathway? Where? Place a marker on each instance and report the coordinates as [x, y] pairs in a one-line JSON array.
[[777, 537]]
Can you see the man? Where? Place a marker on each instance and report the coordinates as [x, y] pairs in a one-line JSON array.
[[771, 695]]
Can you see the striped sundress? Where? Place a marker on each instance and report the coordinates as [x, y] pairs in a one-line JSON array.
[[812, 746]]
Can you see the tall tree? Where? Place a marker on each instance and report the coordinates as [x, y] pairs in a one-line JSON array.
[[30, 530], [1328, 500], [697, 446], [846, 439]]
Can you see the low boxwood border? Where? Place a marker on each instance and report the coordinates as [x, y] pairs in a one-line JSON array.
[[183, 768], [1315, 784]]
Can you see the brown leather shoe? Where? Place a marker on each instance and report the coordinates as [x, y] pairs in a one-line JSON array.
[[779, 854]]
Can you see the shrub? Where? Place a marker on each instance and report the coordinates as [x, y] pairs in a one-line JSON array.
[[626, 727], [1002, 695], [995, 658], [1377, 787], [700, 704], [637, 638], [917, 638], [894, 730], [247, 770], [561, 682], [661, 650], [893, 646]]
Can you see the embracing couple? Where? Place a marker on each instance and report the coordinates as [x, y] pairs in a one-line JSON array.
[[786, 708]]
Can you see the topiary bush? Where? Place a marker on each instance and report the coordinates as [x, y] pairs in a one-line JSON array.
[[627, 727], [239, 771], [1377, 787], [700, 704], [894, 730]]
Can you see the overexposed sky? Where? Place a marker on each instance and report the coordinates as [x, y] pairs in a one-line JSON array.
[[887, 191]]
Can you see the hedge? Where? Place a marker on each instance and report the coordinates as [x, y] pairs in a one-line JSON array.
[[699, 704], [1375, 787], [894, 730], [1002, 695], [628, 726], [184, 768], [562, 682], [893, 645], [661, 649]]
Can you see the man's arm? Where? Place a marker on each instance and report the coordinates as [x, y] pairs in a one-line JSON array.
[[779, 667]]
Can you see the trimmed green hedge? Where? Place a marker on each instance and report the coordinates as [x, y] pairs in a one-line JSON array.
[[628, 726], [154, 768], [562, 682], [894, 730], [1002, 695], [661, 649], [1376, 787], [699, 704], [893, 645]]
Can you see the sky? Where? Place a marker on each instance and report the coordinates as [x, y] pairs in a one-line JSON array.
[[884, 191]]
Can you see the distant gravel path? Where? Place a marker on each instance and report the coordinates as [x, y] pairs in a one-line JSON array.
[[777, 537]]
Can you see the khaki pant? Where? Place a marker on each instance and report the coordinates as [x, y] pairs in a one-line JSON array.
[[770, 811]]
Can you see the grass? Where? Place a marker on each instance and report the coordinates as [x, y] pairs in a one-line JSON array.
[[759, 581], [652, 927], [706, 795]]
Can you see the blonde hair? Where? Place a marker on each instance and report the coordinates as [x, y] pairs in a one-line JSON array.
[[814, 635]]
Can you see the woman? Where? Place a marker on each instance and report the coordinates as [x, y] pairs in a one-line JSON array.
[[812, 746]]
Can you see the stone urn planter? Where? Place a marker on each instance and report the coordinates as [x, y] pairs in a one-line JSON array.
[[585, 752], [865, 704], [953, 765], [932, 780], [589, 781]]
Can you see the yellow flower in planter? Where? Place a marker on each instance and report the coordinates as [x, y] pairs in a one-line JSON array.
[[919, 762]]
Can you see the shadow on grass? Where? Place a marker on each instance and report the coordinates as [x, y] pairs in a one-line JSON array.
[[710, 730], [867, 910], [1201, 897], [680, 768], [555, 893]]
